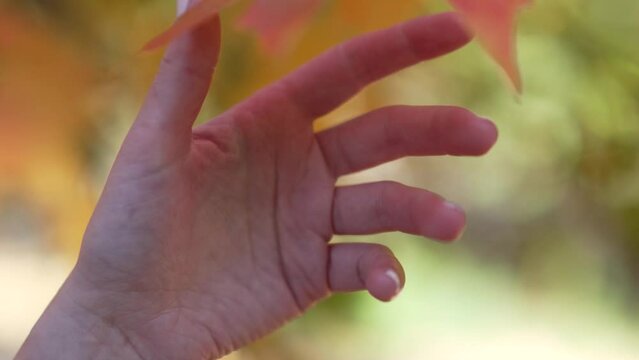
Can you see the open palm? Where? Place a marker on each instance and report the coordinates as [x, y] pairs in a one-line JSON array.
[[207, 238]]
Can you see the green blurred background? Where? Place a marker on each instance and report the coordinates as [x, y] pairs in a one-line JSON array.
[[548, 267]]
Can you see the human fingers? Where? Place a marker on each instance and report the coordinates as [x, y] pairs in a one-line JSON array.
[[179, 90], [332, 78], [398, 131], [372, 267], [388, 206]]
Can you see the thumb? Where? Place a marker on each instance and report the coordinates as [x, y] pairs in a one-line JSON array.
[[179, 90]]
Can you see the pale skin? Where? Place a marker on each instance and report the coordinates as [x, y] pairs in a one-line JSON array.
[[207, 238]]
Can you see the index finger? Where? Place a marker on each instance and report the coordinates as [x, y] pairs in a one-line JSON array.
[[335, 76]]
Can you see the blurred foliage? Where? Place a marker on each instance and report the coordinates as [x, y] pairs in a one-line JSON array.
[[554, 208]]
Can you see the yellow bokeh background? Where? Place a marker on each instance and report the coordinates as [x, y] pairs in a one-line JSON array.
[[549, 264]]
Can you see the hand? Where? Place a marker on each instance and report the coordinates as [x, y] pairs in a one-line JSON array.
[[208, 238]]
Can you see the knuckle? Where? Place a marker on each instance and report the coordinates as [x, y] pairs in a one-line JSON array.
[[379, 252], [388, 194]]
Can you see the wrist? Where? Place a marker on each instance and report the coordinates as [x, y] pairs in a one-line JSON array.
[[68, 329]]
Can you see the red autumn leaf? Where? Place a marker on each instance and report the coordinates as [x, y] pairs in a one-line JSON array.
[[193, 17], [277, 21], [495, 24], [274, 21]]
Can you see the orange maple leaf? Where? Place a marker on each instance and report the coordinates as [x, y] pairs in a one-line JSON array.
[[193, 17], [276, 22], [495, 24]]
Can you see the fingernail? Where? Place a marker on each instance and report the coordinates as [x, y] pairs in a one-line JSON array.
[[487, 124], [449, 222], [182, 5], [393, 276], [452, 206], [459, 209]]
